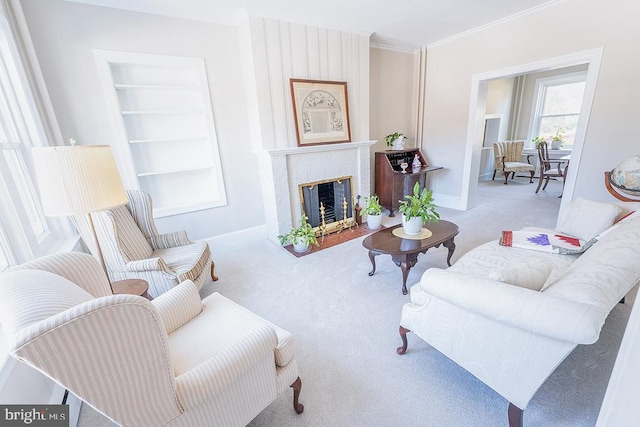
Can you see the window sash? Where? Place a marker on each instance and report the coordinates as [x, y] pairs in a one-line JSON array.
[[541, 91], [25, 232]]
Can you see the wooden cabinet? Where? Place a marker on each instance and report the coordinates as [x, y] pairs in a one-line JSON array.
[[391, 183]]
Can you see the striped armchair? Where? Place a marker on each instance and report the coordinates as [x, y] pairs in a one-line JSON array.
[[174, 361], [132, 248], [508, 159]]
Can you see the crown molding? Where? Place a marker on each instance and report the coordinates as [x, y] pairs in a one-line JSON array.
[[495, 23]]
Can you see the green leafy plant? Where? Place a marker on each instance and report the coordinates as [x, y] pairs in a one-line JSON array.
[[537, 141], [304, 231], [420, 204], [372, 206], [559, 135], [392, 137]]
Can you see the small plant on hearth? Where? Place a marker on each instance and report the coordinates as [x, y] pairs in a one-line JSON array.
[[301, 236], [371, 206], [372, 211]]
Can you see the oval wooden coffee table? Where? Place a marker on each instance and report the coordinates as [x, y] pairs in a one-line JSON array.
[[404, 252]]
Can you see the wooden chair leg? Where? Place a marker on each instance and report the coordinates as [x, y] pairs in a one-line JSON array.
[[297, 386], [531, 179], [213, 275], [515, 415], [539, 182], [506, 177], [494, 175], [546, 182], [403, 335]]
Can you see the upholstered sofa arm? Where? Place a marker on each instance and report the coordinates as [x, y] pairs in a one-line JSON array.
[[150, 264], [169, 240], [217, 374], [179, 305], [522, 308]]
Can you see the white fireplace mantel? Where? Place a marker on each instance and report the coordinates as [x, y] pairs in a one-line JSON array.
[[318, 148], [283, 169]]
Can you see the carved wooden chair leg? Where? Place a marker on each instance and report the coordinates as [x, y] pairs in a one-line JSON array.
[[403, 334], [531, 179], [297, 386], [515, 415], [213, 267], [506, 177], [540, 182]]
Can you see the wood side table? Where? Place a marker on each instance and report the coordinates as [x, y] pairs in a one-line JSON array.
[[131, 287]]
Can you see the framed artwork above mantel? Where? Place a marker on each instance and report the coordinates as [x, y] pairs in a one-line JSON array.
[[321, 111]]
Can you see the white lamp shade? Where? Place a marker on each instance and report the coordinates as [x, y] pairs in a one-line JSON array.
[[78, 179]]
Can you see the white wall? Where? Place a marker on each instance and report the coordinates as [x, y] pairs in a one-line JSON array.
[[568, 27], [393, 98], [64, 35], [499, 102]]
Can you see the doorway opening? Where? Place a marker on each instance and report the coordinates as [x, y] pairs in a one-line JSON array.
[[478, 110]]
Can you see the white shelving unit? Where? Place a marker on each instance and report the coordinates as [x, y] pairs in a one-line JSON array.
[[161, 105]]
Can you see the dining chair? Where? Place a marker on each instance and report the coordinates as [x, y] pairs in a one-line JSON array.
[[550, 168]]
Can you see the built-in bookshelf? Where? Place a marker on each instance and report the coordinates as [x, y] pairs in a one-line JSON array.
[[168, 140]]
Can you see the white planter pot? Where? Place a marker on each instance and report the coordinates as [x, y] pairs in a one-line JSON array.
[[374, 221], [413, 226], [398, 144], [555, 145], [301, 246]]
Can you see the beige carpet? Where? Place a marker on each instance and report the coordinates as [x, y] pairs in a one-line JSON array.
[[345, 325]]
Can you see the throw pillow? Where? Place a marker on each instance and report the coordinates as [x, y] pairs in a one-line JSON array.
[[585, 219]]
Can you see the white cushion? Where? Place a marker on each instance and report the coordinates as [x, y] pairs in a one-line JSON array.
[[530, 275], [585, 219]]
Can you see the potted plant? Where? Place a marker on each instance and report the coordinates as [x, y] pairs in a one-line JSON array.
[[537, 141], [418, 209], [395, 140], [556, 140], [301, 237], [373, 212]]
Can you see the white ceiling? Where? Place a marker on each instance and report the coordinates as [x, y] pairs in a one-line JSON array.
[[402, 23]]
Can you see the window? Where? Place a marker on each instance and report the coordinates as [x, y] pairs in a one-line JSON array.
[[24, 230], [557, 111]]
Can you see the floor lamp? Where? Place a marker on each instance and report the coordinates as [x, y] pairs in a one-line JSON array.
[[79, 179]]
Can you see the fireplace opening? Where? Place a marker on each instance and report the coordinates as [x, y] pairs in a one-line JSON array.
[[328, 204]]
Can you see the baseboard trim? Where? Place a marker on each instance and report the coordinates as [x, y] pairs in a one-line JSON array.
[[253, 233], [447, 201]]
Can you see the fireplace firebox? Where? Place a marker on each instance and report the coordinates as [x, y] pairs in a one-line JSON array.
[[328, 204]]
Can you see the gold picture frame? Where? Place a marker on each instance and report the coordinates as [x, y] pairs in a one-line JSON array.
[[321, 111]]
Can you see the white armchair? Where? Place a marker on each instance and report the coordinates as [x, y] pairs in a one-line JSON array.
[[173, 361], [132, 248]]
